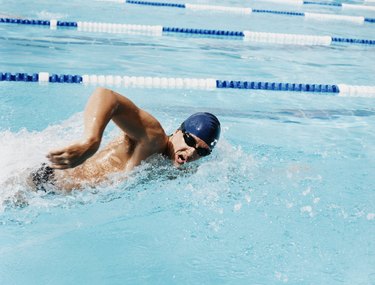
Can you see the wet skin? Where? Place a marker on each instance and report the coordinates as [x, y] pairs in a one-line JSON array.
[[142, 135]]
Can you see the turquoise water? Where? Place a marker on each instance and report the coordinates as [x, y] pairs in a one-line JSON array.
[[286, 198]]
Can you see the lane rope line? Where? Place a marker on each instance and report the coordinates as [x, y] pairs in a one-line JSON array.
[[157, 30], [248, 10], [188, 83]]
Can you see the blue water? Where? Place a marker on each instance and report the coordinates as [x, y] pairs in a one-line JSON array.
[[287, 197]]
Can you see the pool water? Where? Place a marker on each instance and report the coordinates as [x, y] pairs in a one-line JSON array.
[[287, 196]]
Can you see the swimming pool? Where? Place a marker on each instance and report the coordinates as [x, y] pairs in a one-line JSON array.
[[287, 196]]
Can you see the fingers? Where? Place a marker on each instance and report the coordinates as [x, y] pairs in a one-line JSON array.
[[59, 166], [63, 164], [59, 160], [68, 157], [63, 161], [56, 152], [62, 155]]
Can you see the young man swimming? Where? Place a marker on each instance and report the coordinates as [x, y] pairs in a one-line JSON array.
[[80, 164]]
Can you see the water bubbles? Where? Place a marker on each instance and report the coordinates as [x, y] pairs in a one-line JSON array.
[[307, 191], [289, 205], [307, 209], [281, 276], [24, 151], [247, 198], [50, 15], [237, 206]]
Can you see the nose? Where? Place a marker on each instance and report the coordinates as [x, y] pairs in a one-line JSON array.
[[191, 152]]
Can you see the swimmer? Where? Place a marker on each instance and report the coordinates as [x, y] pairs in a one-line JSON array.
[[80, 163]]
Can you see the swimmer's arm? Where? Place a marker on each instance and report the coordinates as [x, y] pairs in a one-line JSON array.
[[102, 106]]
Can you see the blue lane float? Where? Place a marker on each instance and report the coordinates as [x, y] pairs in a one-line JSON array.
[[251, 36], [188, 83], [40, 77], [340, 5], [288, 2], [273, 86], [248, 10], [150, 3]]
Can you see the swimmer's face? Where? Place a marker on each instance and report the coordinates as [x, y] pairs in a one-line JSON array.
[[187, 148]]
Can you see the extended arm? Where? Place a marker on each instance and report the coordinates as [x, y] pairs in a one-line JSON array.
[[101, 107]]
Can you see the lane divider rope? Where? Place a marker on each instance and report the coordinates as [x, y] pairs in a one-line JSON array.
[[189, 83], [277, 38], [342, 5], [248, 11]]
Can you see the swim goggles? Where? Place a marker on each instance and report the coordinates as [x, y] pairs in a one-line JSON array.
[[190, 141]]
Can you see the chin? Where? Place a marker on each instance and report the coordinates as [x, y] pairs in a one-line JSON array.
[[177, 164]]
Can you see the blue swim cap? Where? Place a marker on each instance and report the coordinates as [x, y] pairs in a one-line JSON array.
[[205, 126]]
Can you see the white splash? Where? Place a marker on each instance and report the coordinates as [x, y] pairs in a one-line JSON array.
[[50, 15], [23, 151], [281, 276], [237, 207], [307, 191], [247, 198], [307, 209]]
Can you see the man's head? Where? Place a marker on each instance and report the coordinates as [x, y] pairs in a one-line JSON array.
[[203, 125], [196, 137]]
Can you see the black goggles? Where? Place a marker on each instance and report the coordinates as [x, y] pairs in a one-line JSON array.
[[190, 141]]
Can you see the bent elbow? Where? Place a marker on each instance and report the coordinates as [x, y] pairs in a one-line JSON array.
[[101, 90], [109, 94]]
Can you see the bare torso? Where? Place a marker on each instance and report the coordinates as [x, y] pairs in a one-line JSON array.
[[117, 156], [81, 163]]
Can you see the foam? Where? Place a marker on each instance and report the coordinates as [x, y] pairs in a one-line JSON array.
[[25, 150], [205, 181], [50, 15]]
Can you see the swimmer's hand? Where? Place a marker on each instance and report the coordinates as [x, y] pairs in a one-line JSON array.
[[73, 155]]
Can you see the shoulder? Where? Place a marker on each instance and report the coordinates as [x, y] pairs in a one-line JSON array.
[[153, 128]]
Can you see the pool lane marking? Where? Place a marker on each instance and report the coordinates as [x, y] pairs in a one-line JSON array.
[[188, 83], [262, 37], [248, 10], [288, 2]]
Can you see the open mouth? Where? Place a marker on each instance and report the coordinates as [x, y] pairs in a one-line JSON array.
[[180, 158]]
